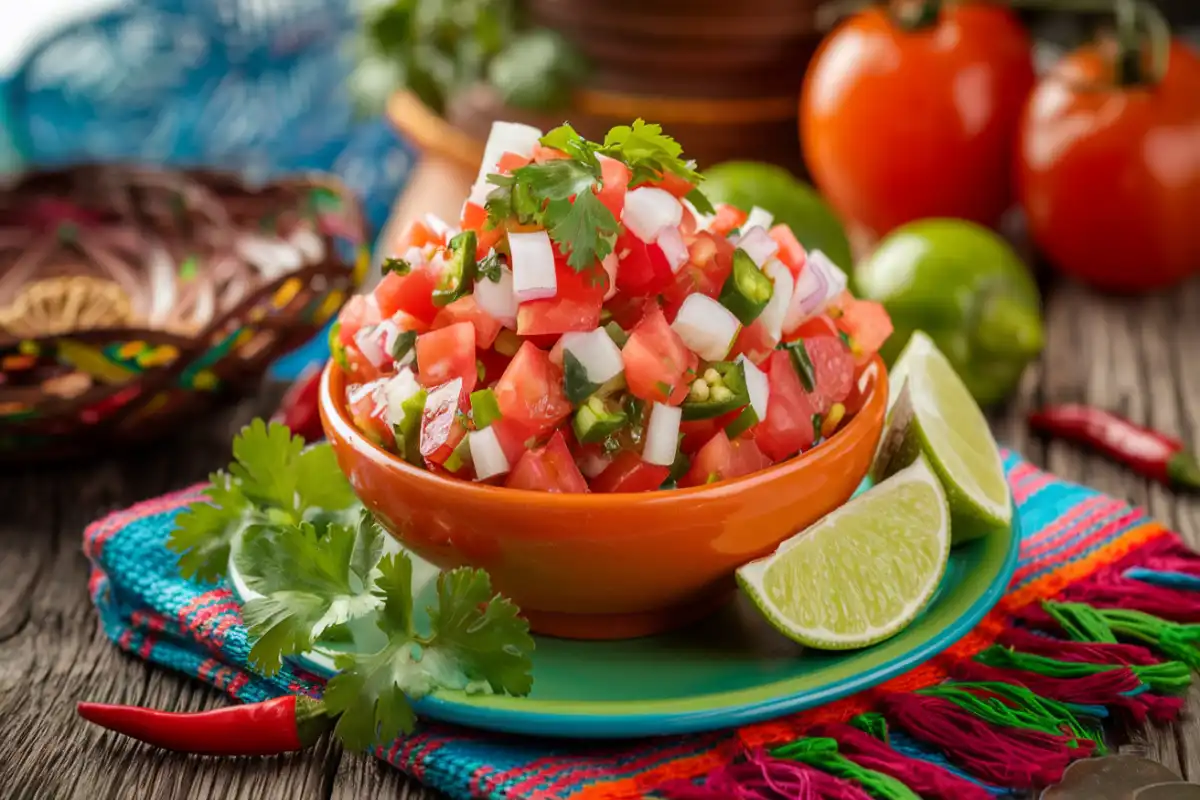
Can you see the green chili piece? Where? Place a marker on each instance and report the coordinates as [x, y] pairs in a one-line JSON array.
[[596, 420], [616, 333], [742, 423], [408, 431], [396, 265], [458, 273], [721, 388], [484, 408], [402, 344], [460, 456], [747, 290], [802, 363], [337, 350], [575, 379]]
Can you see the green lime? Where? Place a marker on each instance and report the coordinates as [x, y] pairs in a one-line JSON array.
[[862, 573], [746, 184], [933, 415], [964, 286]]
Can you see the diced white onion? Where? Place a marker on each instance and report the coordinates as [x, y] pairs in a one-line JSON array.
[[757, 385], [706, 327], [648, 210], [758, 218], [611, 264], [399, 388], [703, 221], [532, 258], [497, 299], [486, 453], [596, 351], [670, 241], [370, 344], [820, 282], [440, 227], [507, 137], [591, 463], [758, 244], [776, 311], [662, 435]]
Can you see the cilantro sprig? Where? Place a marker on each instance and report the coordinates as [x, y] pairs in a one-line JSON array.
[[316, 560], [560, 194]]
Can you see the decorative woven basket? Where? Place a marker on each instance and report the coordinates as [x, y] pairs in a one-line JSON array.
[[131, 298]]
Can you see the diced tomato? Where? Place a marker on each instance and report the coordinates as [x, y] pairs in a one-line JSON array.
[[728, 219], [628, 473], [791, 252], [674, 184], [868, 325], [548, 469], [446, 354], [542, 154], [833, 371], [530, 392], [475, 218], [411, 293], [696, 434], [788, 427], [643, 269], [628, 310], [614, 177], [465, 309], [418, 234], [722, 460], [494, 364], [576, 306], [514, 438], [359, 311], [710, 260], [658, 365], [511, 162], [442, 426], [754, 342], [369, 412], [820, 325]]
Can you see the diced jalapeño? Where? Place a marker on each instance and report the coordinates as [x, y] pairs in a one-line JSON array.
[[616, 333], [484, 408], [408, 431], [337, 350], [742, 422], [747, 290], [460, 457], [596, 420], [721, 388], [458, 273], [402, 345], [575, 379], [802, 363]]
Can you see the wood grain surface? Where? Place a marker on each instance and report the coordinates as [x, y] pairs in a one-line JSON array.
[[1139, 356]]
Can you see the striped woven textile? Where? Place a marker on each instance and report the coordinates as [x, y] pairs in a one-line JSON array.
[[1098, 622]]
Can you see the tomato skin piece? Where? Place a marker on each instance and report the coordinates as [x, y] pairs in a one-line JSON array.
[[475, 218], [542, 154], [530, 392], [710, 260], [658, 365], [446, 354], [728, 219], [550, 468], [576, 306], [833, 371], [442, 425], [628, 473], [465, 309], [614, 178], [868, 325], [417, 235], [494, 365], [821, 325], [511, 162], [359, 312], [856, 115], [754, 342], [725, 460], [788, 428], [672, 183], [696, 434], [643, 269], [411, 293], [791, 252], [369, 413]]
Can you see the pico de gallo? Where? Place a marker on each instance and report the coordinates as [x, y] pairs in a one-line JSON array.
[[593, 324]]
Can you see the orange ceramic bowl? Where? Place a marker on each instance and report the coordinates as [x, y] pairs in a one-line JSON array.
[[605, 566]]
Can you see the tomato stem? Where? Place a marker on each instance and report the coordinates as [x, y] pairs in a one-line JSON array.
[[913, 15]]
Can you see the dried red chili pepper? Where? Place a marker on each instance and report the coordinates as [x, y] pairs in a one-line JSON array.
[[1148, 452], [280, 725], [299, 408]]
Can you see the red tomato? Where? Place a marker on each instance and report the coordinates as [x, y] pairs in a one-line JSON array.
[[820, 325], [674, 184], [696, 434], [411, 293], [728, 219], [628, 310], [833, 371], [514, 438], [614, 179], [754, 342], [628, 473], [722, 460], [465, 309], [576, 306], [359, 311], [946, 95], [1109, 175], [418, 235], [299, 407], [542, 154], [788, 427], [867, 324], [511, 162], [548, 469], [658, 365], [494, 364], [442, 425], [791, 252], [710, 260], [475, 218], [530, 392], [642, 268], [446, 354], [369, 412]]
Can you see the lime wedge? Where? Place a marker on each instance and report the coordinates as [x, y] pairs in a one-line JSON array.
[[932, 413], [863, 572]]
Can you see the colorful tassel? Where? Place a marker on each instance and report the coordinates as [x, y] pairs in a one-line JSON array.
[[928, 780], [1170, 677], [1013, 706], [1027, 641], [822, 753], [760, 777]]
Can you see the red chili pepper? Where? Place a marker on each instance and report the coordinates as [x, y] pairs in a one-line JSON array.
[[299, 408], [280, 725], [1148, 452]]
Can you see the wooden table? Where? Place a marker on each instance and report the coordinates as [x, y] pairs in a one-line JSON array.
[[1139, 356]]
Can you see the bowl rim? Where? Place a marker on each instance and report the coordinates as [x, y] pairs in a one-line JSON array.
[[333, 415]]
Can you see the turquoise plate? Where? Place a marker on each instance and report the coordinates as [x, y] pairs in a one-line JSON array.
[[727, 670]]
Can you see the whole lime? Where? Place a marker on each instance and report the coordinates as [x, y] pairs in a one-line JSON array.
[[964, 286], [746, 184]]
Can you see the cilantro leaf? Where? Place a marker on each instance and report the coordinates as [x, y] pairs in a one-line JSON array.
[[320, 483], [264, 457], [559, 179], [585, 230], [308, 583], [564, 138], [646, 149], [700, 202], [205, 529], [489, 267]]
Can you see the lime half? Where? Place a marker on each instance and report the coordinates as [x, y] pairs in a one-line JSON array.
[[862, 573], [932, 413]]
